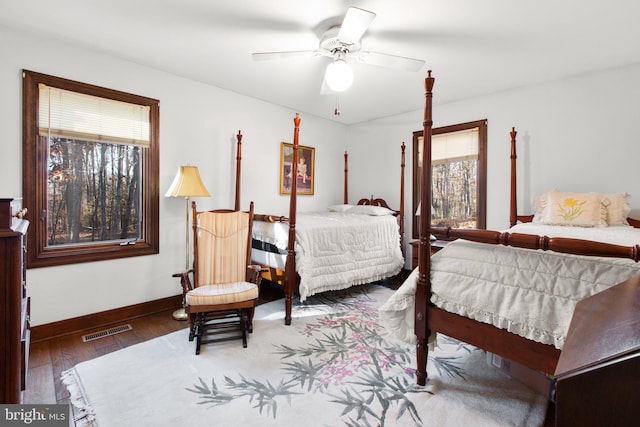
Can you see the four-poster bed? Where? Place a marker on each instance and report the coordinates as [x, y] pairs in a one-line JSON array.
[[428, 318], [319, 251]]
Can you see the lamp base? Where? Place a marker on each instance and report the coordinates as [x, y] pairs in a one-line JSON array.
[[180, 314]]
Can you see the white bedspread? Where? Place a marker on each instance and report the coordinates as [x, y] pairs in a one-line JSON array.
[[276, 233], [336, 250], [529, 293], [624, 235]]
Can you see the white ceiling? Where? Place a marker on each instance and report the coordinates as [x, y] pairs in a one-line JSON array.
[[474, 47]]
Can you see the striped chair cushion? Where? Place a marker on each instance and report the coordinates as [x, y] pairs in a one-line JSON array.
[[222, 294]]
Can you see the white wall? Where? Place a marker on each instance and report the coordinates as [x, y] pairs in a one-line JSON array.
[[577, 134], [198, 124], [574, 135]]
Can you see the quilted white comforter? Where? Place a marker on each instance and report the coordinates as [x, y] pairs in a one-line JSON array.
[[337, 250], [529, 293]]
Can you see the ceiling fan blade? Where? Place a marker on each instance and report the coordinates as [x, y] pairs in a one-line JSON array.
[[390, 61], [355, 23], [268, 56]]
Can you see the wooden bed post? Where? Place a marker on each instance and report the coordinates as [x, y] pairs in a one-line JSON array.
[[513, 209], [346, 178], [290, 279], [238, 162], [423, 289], [402, 165]]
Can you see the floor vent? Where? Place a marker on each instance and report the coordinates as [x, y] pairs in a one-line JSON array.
[[106, 333]]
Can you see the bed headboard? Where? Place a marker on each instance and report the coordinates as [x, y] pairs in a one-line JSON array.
[[374, 202], [514, 218]]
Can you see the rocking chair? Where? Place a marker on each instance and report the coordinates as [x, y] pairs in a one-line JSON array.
[[220, 301]]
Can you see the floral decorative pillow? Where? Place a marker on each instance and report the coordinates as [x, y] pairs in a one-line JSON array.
[[575, 209]]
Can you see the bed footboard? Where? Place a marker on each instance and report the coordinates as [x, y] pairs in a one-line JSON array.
[[530, 241]]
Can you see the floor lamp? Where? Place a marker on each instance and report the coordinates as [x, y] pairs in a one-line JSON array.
[[187, 183]]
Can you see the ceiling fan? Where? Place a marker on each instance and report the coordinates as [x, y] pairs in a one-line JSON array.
[[342, 42]]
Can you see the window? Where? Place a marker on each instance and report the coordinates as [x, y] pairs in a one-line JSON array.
[[459, 176], [90, 172]]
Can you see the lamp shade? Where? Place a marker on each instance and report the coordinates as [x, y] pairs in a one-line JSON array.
[[339, 76], [187, 183]]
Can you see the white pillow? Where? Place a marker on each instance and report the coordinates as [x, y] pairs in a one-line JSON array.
[[618, 209], [574, 209], [539, 203], [339, 208], [370, 210]]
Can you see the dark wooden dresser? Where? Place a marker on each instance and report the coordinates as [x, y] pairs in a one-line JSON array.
[[14, 302], [598, 373]]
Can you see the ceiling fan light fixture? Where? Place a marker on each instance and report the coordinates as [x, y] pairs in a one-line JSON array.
[[339, 75]]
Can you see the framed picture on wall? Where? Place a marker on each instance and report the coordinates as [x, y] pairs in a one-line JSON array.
[[306, 164]]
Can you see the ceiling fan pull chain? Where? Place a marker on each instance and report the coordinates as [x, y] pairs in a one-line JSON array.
[[336, 111]]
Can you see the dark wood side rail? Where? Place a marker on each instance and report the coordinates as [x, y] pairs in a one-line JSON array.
[[269, 218], [530, 241], [488, 337]]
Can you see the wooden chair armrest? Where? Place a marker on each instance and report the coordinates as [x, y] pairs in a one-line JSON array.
[[253, 273], [185, 281], [183, 273]]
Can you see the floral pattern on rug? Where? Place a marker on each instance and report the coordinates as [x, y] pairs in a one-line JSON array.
[[347, 359]]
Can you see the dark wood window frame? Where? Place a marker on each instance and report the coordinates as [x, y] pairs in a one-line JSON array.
[[481, 198], [34, 181]]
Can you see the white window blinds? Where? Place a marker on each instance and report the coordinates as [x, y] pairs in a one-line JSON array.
[[68, 114], [452, 146], [455, 145]]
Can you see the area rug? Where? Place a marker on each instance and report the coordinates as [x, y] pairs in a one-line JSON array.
[[334, 366]]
